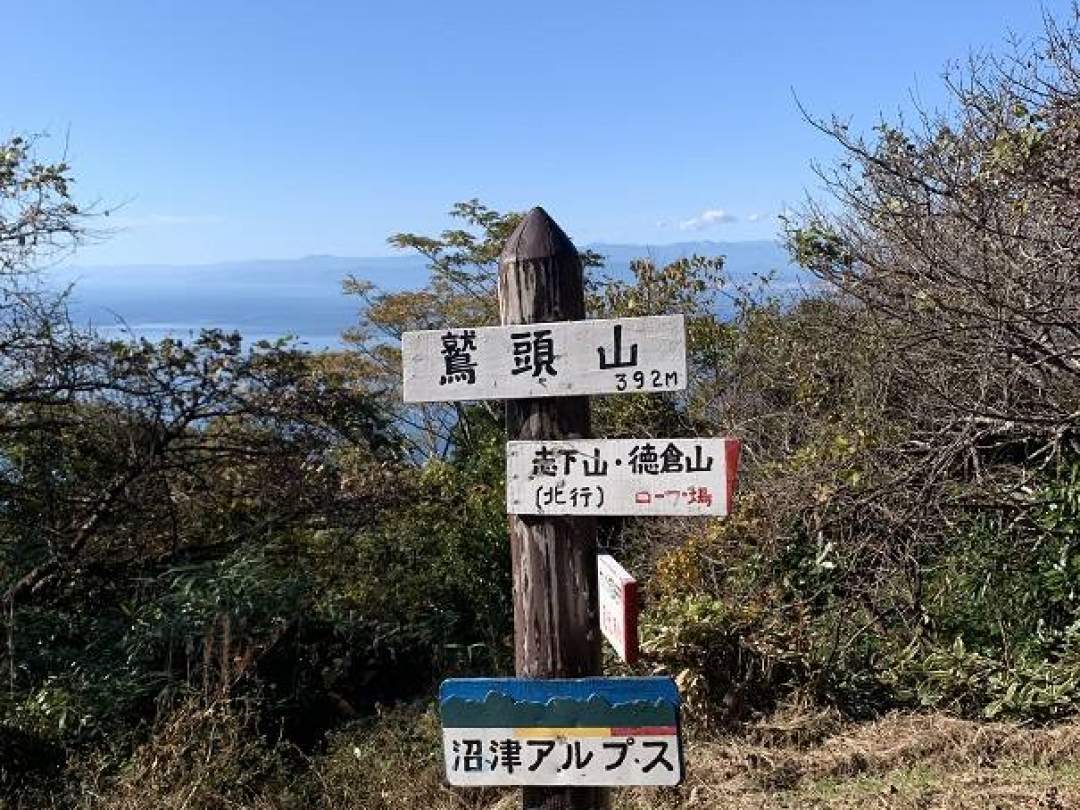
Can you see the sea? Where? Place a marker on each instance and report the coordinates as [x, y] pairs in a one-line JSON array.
[[303, 298]]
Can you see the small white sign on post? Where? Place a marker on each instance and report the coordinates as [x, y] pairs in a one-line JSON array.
[[567, 358], [618, 597], [664, 477]]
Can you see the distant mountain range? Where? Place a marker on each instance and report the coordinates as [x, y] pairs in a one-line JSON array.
[[272, 297], [742, 259]]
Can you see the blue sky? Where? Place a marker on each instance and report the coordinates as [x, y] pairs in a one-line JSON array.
[[278, 129]]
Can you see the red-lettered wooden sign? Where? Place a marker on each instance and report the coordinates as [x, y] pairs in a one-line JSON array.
[[618, 592], [658, 477]]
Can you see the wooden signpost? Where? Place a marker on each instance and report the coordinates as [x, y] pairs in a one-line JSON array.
[[556, 633], [560, 734], [556, 733]]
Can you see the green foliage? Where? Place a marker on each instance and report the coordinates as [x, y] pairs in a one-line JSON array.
[[224, 571], [967, 682], [39, 217], [728, 659], [445, 551], [816, 244]]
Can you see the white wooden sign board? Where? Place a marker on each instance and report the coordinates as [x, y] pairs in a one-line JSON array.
[[664, 477], [568, 358], [618, 599]]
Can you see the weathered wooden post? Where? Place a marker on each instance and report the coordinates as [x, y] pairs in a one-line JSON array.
[[556, 630], [557, 730]]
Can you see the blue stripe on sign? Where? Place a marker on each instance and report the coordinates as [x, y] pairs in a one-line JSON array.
[[535, 690]]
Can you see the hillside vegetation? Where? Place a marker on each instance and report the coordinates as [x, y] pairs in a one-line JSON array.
[[232, 576]]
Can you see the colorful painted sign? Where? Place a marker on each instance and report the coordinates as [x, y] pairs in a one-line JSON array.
[[585, 732], [568, 358], [665, 477], [618, 597]]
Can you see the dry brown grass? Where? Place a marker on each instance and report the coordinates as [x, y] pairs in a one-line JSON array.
[[799, 758], [902, 761], [204, 757], [391, 764]]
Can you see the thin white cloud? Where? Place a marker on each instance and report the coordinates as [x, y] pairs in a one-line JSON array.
[[708, 218], [757, 216]]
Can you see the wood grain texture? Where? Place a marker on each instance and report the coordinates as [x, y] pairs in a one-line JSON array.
[[556, 627]]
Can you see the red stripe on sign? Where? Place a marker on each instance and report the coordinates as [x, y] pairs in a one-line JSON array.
[[644, 731], [630, 620], [732, 448]]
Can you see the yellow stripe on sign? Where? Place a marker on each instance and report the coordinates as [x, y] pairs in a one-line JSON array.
[[571, 731]]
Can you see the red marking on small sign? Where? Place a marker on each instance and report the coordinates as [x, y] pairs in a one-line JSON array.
[[732, 450]]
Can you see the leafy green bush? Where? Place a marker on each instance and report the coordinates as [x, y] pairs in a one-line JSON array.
[[729, 660]]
